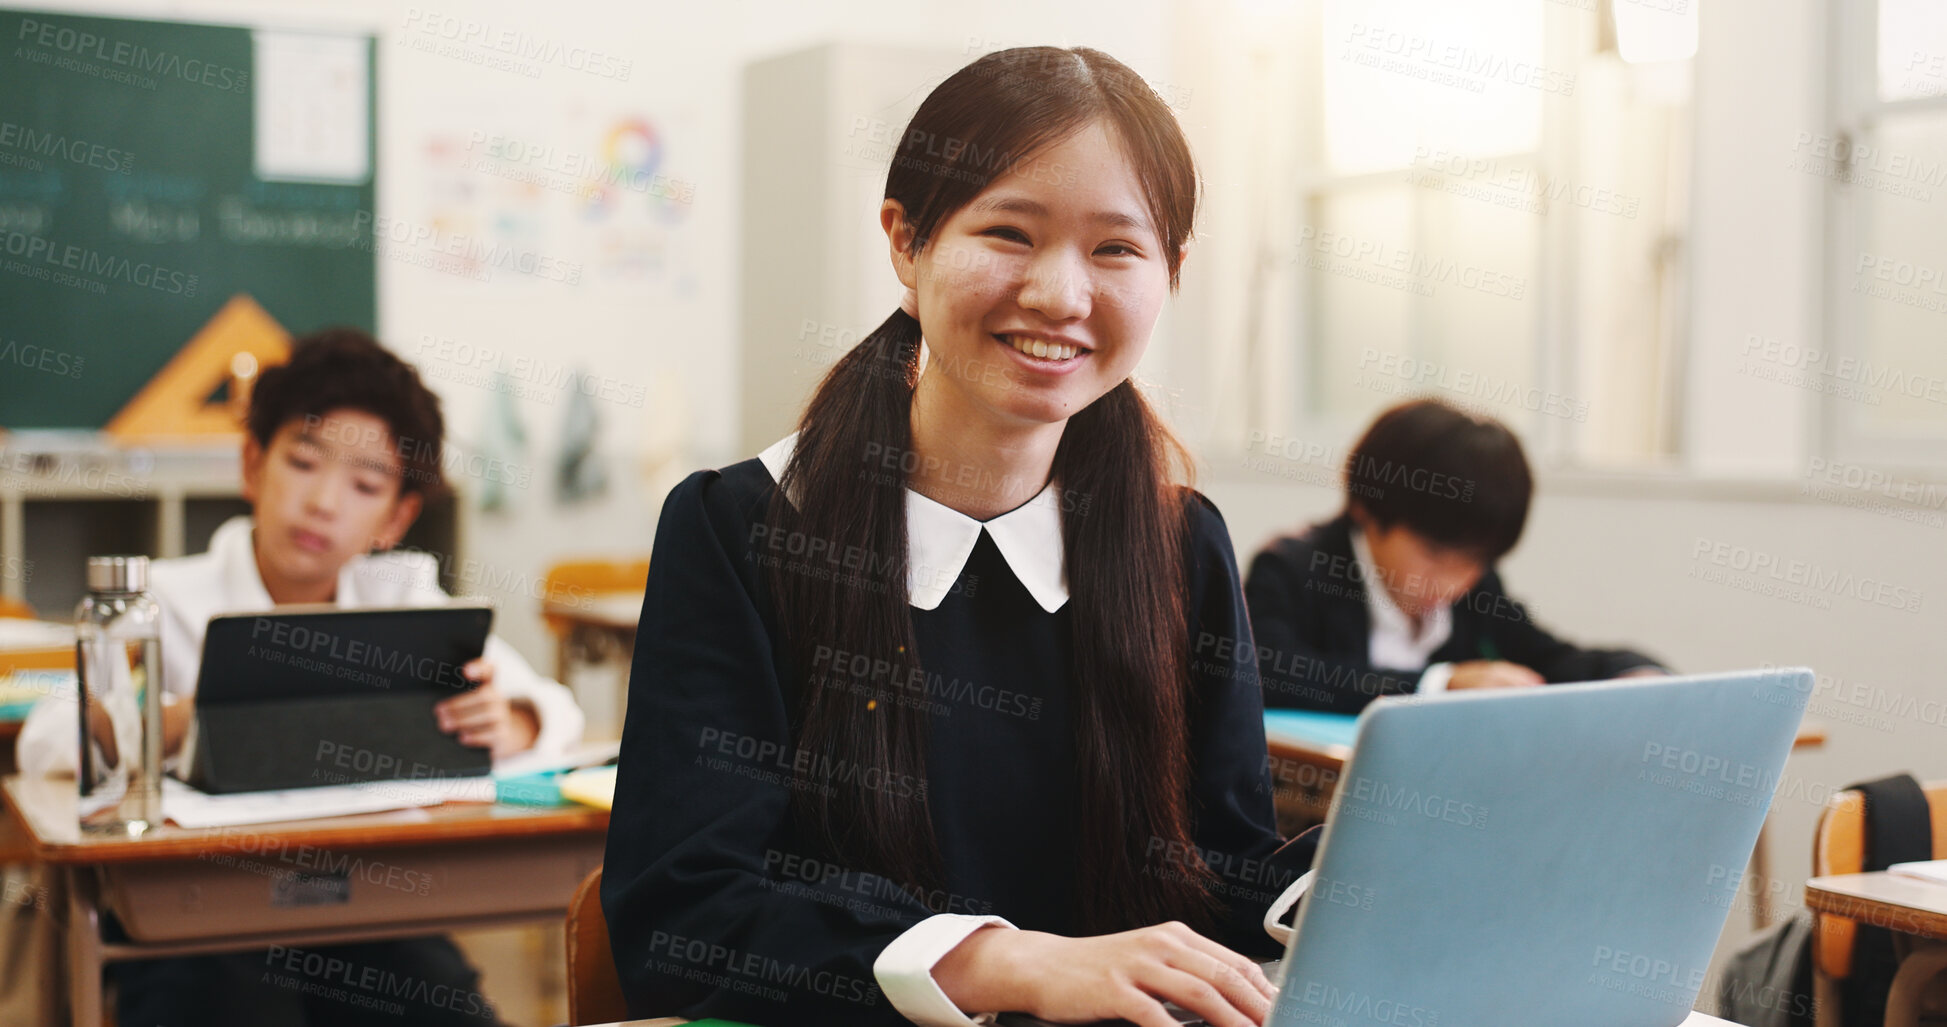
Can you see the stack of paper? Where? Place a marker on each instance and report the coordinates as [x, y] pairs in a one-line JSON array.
[[189, 807], [593, 787], [1932, 870], [587, 754]]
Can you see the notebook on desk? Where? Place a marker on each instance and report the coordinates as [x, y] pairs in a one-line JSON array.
[[306, 696], [1934, 870], [1311, 727]]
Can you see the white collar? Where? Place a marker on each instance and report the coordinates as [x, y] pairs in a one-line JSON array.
[[1394, 643], [939, 539]]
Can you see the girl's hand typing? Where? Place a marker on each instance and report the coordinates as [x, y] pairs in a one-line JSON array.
[[1128, 975]]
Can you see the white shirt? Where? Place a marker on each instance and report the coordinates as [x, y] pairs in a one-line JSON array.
[[1394, 642], [192, 589], [939, 540]]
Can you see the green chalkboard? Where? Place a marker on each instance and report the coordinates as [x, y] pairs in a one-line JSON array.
[[131, 209]]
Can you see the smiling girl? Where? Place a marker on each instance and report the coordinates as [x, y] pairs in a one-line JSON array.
[[945, 704]]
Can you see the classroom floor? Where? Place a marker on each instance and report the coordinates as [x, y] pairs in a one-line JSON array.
[[523, 971]]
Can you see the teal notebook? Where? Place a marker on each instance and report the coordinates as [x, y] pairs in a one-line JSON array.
[[1315, 728]]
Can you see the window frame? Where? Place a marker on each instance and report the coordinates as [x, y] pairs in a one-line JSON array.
[[1855, 113], [1279, 389]]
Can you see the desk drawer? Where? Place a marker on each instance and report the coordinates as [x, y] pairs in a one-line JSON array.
[[255, 890]]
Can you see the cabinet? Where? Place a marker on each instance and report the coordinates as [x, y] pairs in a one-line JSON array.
[[70, 496]]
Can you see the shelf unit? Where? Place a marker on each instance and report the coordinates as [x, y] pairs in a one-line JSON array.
[[61, 504]]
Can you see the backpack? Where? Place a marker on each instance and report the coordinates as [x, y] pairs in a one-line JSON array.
[[1768, 983]]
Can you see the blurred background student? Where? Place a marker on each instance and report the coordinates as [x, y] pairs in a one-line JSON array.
[[1398, 593], [343, 447]]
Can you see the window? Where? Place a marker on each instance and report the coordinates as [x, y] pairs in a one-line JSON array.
[[1884, 376], [1490, 207]]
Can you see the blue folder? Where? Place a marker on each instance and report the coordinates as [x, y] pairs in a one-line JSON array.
[[1311, 727]]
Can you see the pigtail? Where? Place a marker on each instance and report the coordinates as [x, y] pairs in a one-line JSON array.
[[860, 784]]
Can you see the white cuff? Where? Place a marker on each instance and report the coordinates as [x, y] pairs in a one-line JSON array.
[[905, 968], [1433, 680], [1279, 932]]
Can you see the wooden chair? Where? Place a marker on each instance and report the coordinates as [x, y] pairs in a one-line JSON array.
[[1839, 847], [585, 578], [594, 991]]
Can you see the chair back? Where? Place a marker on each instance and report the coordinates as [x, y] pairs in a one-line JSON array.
[[575, 578], [1839, 847], [594, 991]]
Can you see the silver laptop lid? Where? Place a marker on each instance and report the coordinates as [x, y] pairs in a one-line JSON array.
[[1539, 856]]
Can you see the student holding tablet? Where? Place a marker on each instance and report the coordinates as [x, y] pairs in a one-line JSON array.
[[916, 727], [342, 447], [1399, 594]]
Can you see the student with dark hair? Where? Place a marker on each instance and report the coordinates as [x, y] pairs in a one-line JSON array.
[[1398, 594], [915, 725], [341, 450]]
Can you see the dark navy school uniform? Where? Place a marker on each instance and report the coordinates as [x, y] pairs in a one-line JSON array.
[[718, 905], [1311, 608]]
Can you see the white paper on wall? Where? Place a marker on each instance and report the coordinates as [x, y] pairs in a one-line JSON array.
[[312, 107]]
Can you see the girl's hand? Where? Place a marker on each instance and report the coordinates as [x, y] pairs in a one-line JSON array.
[[486, 718], [1128, 975]]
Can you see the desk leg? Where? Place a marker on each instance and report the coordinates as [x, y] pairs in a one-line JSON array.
[[1825, 1000], [84, 950], [1761, 877]]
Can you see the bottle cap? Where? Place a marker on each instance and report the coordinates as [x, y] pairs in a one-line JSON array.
[[118, 573]]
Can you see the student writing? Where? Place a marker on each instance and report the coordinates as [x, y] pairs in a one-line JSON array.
[[1399, 594], [916, 728]]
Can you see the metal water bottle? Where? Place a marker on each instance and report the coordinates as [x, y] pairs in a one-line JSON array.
[[118, 657]]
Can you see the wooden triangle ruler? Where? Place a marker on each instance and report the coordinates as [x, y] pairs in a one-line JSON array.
[[228, 351]]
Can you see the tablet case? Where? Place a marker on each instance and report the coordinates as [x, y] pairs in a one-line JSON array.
[[298, 698]]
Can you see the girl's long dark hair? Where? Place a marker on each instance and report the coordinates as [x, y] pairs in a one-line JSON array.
[[1123, 530]]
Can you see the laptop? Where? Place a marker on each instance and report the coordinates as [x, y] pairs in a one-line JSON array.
[[309, 696], [1538, 856]]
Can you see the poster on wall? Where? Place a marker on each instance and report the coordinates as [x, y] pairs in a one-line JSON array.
[[595, 197]]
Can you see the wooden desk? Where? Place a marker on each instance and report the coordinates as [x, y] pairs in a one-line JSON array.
[[598, 627], [618, 611], [175, 891], [1896, 902], [1915, 910], [1309, 752]]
